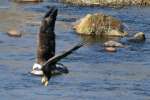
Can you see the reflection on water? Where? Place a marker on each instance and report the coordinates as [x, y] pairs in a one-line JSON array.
[[94, 73], [98, 39]]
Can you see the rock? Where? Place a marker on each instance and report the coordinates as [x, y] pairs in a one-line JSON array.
[[14, 33], [138, 37], [28, 0], [113, 44], [99, 24], [109, 3], [110, 49], [116, 33]]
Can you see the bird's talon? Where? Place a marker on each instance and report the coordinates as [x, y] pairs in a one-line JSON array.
[[44, 81]]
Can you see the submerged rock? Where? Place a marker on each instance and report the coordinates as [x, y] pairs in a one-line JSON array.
[[99, 24], [113, 44], [110, 49], [14, 33], [138, 37]]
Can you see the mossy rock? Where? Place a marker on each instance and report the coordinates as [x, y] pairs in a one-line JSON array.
[[99, 24]]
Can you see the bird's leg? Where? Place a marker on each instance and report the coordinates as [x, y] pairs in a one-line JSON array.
[[44, 80]]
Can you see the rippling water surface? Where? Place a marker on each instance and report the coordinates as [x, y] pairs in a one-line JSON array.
[[94, 73]]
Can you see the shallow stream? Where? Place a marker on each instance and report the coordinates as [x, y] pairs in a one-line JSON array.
[[94, 74]]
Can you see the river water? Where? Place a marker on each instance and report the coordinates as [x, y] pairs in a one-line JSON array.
[[94, 74]]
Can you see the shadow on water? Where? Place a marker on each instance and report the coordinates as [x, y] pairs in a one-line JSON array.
[[94, 73]]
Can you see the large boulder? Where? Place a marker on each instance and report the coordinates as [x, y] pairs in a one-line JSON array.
[[99, 24]]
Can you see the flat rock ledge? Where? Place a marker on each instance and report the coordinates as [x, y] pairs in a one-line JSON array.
[[26, 1], [109, 3]]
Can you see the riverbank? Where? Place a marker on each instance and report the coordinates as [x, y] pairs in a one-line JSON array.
[[109, 3]]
